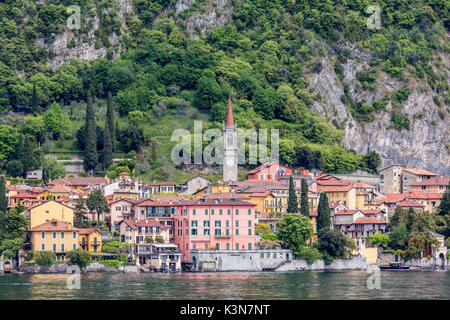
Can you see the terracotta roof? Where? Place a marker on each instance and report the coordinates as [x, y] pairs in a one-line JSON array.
[[24, 195], [346, 212], [424, 195], [54, 225], [44, 202], [435, 181], [364, 220], [80, 181], [420, 172], [87, 230], [361, 185], [60, 188], [334, 183], [343, 188], [126, 200], [230, 120], [410, 203], [260, 194], [393, 197]]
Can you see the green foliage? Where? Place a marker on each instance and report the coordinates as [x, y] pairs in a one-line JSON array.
[[304, 205], [111, 263], [97, 202], [323, 212], [262, 228], [334, 244], [400, 121], [90, 155], [292, 200], [52, 169], [79, 257], [309, 254], [444, 206], [45, 258], [270, 237], [379, 239], [294, 229]]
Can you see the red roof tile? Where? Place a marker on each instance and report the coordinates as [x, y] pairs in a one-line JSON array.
[[410, 203], [420, 172], [364, 220]]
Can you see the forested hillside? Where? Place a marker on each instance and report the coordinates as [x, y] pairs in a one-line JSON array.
[[339, 93]]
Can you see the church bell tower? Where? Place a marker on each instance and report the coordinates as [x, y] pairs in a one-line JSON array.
[[230, 152]]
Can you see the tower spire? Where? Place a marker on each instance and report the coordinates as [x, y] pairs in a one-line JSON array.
[[230, 120]]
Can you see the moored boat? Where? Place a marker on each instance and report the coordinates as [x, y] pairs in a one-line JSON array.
[[394, 266]]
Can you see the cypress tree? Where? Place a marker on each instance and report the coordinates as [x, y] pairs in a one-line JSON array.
[[3, 198], [323, 212], [110, 116], [292, 201], [304, 206], [107, 147], [90, 151]]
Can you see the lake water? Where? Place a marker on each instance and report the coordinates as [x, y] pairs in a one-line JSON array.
[[265, 285]]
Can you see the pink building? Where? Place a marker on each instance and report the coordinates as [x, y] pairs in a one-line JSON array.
[[269, 171], [224, 224]]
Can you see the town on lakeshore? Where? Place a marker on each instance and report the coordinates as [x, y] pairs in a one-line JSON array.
[[278, 219]]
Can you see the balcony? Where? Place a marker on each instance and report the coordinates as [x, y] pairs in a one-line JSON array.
[[222, 236]]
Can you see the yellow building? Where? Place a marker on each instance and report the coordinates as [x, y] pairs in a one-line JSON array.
[[124, 194], [313, 220], [340, 194], [55, 236], [49, 210], [264, 201], [90, 239], [213, 188], [366, 200]]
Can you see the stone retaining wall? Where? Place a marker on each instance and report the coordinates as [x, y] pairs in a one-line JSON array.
[[355, 263]]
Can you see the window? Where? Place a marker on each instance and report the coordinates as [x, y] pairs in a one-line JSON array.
[[212, 212], [54, 235], [237, 232], [43, 246], [249, 223], [249, 246], [62, 234], [237, 211], [43, 235], [229, 211], [193, 212], [62, 247], [227, 223], [206, 212], [237, 223], [249, 211], [74, 235], [206, 223], [220, 211], [217, 223], [54, 247], [237, 246], [118, 208], [228, 246], [194, 223], [206, 232], [249, 232], [194, 232], [217, 232]]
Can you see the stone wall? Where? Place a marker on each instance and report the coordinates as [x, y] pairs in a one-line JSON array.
[[355, 263], [265, 260], [239, 260]]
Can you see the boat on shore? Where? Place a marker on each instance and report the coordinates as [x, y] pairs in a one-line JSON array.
[[394, 266]]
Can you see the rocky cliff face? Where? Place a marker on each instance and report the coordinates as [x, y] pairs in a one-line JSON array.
[[425, 145]]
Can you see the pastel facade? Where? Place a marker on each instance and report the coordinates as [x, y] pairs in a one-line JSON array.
[[214, 223], [269, 171], [439, 184], [90, 239], [49, 210]]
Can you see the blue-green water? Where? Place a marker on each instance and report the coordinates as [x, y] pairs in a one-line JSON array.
[[266, 285]]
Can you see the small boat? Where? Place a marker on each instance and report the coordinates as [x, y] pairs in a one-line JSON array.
[[394, 266]]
